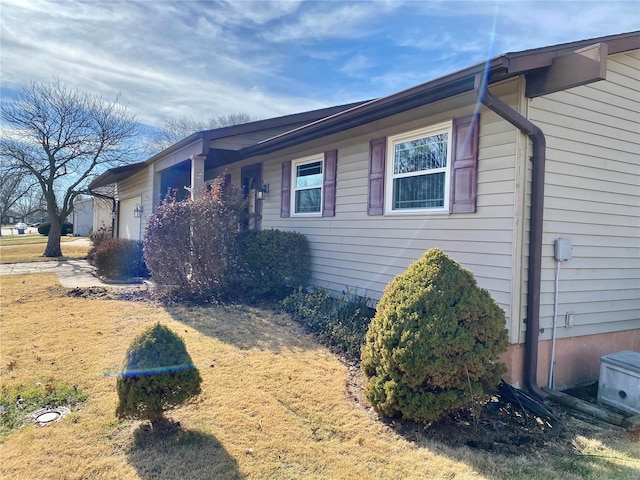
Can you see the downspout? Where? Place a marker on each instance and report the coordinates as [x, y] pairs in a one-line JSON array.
[[535, 234]]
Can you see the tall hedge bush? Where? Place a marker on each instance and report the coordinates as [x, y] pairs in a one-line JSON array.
[[272, 264], [433, 344], [190, 245]]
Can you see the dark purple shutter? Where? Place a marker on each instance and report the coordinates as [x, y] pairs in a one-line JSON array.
[[329, 183], [227, 180], [377, 157], [285, 191], [464, 171]]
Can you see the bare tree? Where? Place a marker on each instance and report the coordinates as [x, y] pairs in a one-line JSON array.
[[175, 129], [12, 188], [31, 202], [59, 137]]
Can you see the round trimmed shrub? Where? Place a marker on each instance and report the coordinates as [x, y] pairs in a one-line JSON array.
[[158, 375], [44, 227], [433, 344]]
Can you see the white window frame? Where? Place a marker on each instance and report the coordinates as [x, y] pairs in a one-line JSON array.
[[294, 167], [392, 141]]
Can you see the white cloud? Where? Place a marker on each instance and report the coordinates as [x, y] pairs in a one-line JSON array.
[[332, 20], [163, 60], [259, 12], [271, 58], [357, 65]]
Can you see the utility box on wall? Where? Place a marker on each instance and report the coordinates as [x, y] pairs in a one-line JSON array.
[[619, 384]]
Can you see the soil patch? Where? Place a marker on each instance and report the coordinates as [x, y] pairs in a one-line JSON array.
[[498, 425], [131, 294]]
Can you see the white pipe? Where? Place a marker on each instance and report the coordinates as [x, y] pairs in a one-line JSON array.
[[552, 380]]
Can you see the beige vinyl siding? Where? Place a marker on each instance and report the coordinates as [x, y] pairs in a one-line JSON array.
[[139, 185], [356, 251], [592, 197]]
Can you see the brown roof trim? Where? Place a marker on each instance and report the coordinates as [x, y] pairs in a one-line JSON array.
[[215, 133], [423, 94], [304, 117], [115, 175], [497, 69], [526, 60]]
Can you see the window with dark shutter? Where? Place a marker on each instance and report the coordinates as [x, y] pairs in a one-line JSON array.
[[377, 156], [329, 183], [464, 168], [285, 193]]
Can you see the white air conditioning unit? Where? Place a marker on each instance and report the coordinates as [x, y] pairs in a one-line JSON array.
[[619, 384]]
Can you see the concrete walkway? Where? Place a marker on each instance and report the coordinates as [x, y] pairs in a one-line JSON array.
[[70, 273]]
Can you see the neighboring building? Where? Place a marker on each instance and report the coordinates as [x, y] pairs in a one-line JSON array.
[[82, 217], [11, 217], [492, 164], [91, 213]]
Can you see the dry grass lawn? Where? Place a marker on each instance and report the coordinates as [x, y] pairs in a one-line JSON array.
[[30, 248], [273, 403]]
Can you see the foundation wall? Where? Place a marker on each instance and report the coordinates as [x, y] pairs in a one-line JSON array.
[[577, 358]]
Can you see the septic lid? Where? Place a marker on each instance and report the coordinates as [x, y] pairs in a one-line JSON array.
[[45, 416]]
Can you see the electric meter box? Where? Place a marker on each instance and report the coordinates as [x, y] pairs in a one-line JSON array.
[[619, 384], [562, 249]]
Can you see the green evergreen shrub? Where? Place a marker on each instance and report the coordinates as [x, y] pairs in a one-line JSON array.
[[158, 375], [272, 264], [120, 259], [433, 344], [44, 227]]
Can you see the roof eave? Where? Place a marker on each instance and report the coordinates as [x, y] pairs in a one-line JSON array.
[[498, 68], [115, 175], [440, 88]]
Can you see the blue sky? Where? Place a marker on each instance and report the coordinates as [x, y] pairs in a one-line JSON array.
[[270, 58]]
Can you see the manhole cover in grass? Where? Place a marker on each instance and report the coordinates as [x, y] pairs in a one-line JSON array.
[[46, 416]]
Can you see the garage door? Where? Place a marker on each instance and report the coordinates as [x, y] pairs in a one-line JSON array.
[[129, 226]]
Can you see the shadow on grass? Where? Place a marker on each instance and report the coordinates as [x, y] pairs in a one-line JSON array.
[[526, 454], [172, 453], [244, 327]]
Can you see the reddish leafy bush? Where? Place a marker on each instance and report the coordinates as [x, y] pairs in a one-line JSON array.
[[97, 237], [120, 259], [190, 245]]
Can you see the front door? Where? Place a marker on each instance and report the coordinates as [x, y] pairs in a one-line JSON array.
[[251, 180]]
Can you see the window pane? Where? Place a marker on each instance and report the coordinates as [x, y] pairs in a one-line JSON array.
[[421, 154], [309, 175], [308, 201], [421, 191]]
